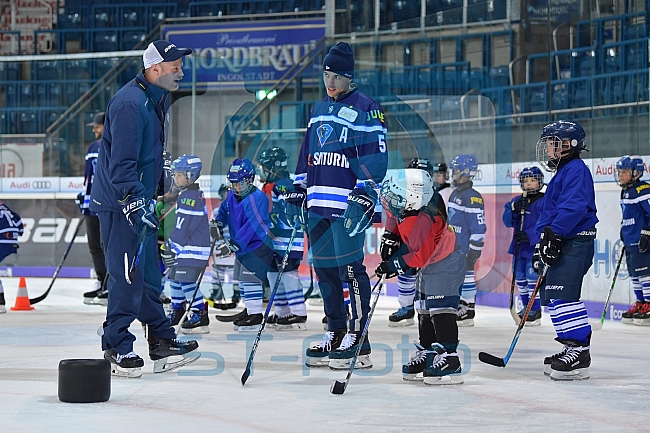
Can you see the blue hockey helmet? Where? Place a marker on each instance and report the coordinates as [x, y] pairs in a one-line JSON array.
[[533, 172], [241, 176], [634, 163], [273, 164], [463, 165], [559, 140], [189, 165]]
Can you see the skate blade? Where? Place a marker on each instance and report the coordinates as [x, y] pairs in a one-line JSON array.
[[363, 363], [451, 379], [2, 309], [249, 328], [547, 370], [465, 323], [627, 321], [641, 322], [131, 373], [164, 365], [419, 377], [537, 322], [577, 374], [89, 301], [405, 322], [316, 362], [197, 330], [292, 327]]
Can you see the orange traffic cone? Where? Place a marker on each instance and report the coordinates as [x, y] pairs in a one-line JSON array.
[[22, 299]]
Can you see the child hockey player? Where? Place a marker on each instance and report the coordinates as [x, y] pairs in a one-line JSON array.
[[406, 281], [187, 251], [289, 301], [246, 213], [521, 213], [11, 227], [466, 216], [426, 242], [566, 229], [635, 234]]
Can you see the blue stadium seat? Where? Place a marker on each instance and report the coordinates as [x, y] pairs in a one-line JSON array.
[[26, 95], [12, 72], [132, 17], [11, 95], [451, 108], [77, 69], [102, 18], [102, 66], [28, 122], [54, 94], [40, 94], [71, 19], [501, 75], [105, 41], [49, 117], [47, 71], [131, 39]]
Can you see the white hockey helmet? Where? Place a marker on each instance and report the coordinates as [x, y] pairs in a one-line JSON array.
[[406, 190]]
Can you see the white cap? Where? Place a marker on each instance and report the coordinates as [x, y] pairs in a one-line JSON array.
[[162, 51]]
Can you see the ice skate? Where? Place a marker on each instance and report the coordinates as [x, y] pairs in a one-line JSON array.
[[341, 357], [3, 309], [628, 316], [175, 316], [250, 323], [231, 317], [291, 322], [465, 314], [413, 370], [272, 320], [196, 323], [573, 365], [402, 317], [168, 354], [324, 322], [534, 317], [444, 369], [129, 365], [89, 297], [642, 317], [318, 354], [549, 359]]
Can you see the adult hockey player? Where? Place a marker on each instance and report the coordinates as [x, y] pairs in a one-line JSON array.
[[127, 178], [11, 227], [531, 181], [342, 159], [426, 242], [187, 251], [289, 301], [246, 214], [566, 229], [99, 294], [466, 216], [635, 234]]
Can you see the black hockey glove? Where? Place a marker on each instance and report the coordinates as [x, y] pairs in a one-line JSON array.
[[382, 270], [140, 214], [232, 245], [361, 208], [295, 206], [390, 242], [550, 246], [536, 259], [644, 240], [473, 253], [167, 255], [520, 205], [81, 197], [521, 237], [216, 229]]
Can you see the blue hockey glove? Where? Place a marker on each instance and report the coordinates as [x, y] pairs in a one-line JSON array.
[[644, 240], [361, 208], [550, 246], [521, 237], [81, 197], [390, 243], [167, 255], [295, 206], [140, 214]]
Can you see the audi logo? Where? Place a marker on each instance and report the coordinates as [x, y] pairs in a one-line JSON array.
[[41, 184]]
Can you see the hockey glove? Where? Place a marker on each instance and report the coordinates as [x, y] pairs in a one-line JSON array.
[[140, 214], [361, 208], [473, 253], [536, 259], [81, 197], [295, 206], [520, 205], [382, 270], [221, 249], [216, 230], [166, 180], [550, 246], [390, 242], [232, 245], [167, 255], [644, 240], [521, 237]]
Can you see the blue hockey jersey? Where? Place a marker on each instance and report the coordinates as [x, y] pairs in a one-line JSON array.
[[513, 219], [190, 238], [248, 220], [569, 205], [345, 143], [11, 227], [466, 215], [280, 228], [89, 174], [635, 204]]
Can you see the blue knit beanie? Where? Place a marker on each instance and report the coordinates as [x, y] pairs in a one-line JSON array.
[[340, 60]]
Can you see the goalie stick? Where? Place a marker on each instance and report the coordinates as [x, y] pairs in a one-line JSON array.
[[502, 362], [598, 325]]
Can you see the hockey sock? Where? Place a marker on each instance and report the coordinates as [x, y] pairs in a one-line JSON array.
[[638, 288], [294, 293], [570, 320], [405, 290], [446, 328], [346, 295], [469, 287], [426, 330], [645, 285], [188, 289], [178, 297], [252, 295], [280, 300]]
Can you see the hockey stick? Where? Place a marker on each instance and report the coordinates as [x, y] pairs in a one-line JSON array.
[[129, 271], [58, 269], [339, 387], [513, 310], [501, 362], [311, 283], [285, 259], [598, 325]]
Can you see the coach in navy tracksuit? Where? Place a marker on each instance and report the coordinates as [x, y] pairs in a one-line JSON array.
[[128, 173]]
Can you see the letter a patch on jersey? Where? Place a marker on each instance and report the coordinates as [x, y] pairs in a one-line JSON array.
[[324, 132]]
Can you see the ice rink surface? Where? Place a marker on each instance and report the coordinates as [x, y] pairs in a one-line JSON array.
[[282, 396]]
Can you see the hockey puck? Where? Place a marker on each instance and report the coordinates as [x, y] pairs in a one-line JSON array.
[[337, 387], [84, 380]]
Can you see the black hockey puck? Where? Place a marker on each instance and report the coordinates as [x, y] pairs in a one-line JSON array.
[[84, 380], [337, 387]]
